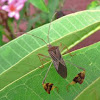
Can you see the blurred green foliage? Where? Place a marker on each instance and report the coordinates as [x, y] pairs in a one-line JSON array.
[[93, 5]]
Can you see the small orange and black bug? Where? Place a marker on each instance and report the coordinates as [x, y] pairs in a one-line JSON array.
[[79, 78], [48, 87]]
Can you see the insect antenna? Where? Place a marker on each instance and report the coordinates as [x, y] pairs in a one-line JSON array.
[[50, 26], [39, 38]]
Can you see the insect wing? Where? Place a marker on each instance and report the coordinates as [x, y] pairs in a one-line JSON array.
[[62, 70], [58, 62]]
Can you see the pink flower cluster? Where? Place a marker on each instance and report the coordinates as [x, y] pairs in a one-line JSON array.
[[13, 7]]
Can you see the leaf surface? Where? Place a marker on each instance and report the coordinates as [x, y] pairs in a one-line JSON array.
[[29, 86], [19, 57]]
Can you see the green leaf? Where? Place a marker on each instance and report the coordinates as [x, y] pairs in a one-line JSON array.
[[19, 57], [52, 5], [39, 4], [93, 4], [29, 86], [97, 8], [92, 92]]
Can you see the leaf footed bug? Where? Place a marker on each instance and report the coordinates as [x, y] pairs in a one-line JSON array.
[[57, 61], [55, 55]]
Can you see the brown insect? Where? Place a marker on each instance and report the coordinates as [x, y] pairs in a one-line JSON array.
[[57, 60], [79, 78], [55, 55]]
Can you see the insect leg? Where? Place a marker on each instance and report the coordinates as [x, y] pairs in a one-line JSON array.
[[65, 47], [41, 60], [48, 86], [75, 65], [79, 78], [46, 73], [72, 83]]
